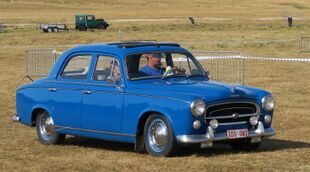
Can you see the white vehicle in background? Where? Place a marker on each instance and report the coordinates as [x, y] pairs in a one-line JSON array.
[[52, 27]]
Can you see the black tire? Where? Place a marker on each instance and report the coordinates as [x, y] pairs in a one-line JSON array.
[[244, 145], [101, 27], [46, 133], [82, 28], [56, 30], [49, 30], [152, 125]]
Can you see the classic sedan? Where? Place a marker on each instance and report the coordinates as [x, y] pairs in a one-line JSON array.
[[154, 95]]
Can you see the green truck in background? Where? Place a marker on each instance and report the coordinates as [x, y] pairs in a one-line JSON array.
[[86, 21]]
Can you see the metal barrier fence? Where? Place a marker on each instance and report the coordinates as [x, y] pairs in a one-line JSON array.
[[228, 67], [304, 47], [2, 27], [38, 62], [304, 43], [222, 66]]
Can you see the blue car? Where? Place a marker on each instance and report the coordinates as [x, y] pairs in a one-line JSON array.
[[154, 95]]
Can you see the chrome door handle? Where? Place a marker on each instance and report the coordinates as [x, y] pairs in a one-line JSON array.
[[87, 92], [52, 89]]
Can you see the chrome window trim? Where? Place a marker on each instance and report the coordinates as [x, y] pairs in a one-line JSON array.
[[95, 65], [68, 59], [184, 52]]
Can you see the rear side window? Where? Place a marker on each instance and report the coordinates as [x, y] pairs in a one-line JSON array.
[[77, 67], [106, 66]]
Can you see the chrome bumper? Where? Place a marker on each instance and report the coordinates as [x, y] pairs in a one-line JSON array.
[[16, 118], [210, 136]]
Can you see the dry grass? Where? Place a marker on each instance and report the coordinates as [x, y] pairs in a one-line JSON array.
[[289, 150]]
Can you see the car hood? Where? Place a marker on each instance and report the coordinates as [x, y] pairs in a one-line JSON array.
[[190, 89]]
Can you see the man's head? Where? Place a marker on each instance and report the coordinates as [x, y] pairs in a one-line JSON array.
[[116, 71], [154, 60]]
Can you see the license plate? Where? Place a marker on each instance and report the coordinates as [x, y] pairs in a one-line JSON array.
[[234, 134]]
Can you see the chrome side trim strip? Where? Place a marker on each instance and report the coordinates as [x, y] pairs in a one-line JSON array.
[[94, 131], [78, 82]]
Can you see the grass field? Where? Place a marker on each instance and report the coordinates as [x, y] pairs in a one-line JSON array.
[[289, 150]]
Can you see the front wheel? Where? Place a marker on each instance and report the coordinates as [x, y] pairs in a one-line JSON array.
[[46, 130], [158, 136], [49, 30], [244, 145], [101, 26]]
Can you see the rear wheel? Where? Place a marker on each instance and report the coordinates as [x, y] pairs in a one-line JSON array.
[[244, 145], [46, 130], [56, 30], [82, 28], [158, 136]]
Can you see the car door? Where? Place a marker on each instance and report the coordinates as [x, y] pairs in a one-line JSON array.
[[103, 101], [90, 21], [66, 92]]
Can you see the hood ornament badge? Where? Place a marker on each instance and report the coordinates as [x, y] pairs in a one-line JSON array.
[[233, 91]]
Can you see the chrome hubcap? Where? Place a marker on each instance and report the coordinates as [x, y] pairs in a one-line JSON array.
[[46, 127], [158, 135]]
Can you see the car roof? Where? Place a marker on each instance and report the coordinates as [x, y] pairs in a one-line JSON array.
[[84, 15], [122, 49], [119, 49]]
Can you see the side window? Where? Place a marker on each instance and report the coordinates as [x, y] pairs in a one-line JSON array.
[[77, 67], [90, 17], [106, 66]]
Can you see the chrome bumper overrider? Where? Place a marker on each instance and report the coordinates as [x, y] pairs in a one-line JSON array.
[[210, 136], [16, 118]]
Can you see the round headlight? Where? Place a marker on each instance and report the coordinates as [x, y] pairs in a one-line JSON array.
[[198, 107], [268, 103]]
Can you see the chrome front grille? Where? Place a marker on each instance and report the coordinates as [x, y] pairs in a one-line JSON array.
[[230, 113]]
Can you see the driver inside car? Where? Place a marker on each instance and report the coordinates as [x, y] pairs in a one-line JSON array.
[[153, 66]]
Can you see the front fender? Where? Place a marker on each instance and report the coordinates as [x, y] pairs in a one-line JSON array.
[[150, 110], [176, 111]]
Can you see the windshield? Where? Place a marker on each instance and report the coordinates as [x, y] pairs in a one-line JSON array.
[[162, 65]]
